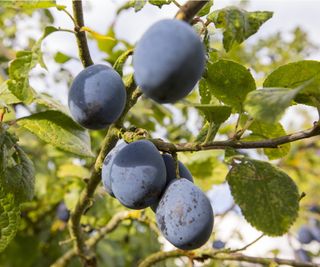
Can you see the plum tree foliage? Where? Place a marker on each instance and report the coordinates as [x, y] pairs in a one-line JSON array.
[[70, 196]]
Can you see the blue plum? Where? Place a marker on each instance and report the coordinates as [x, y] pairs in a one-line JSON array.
[[97, 97], [106, 168], [302, 255], [184, 215], [138, 175], [218, 244], [315, 232], [168, 61], [62, 212], [304, 235], [171, 172]]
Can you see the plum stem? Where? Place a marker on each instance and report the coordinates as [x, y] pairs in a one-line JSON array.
[[190, 9]]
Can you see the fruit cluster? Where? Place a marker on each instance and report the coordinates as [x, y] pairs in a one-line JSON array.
[[140, 177], [309, 233], [168, 62]]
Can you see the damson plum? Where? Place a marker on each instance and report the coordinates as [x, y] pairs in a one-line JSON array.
[[302, 255], [106, 168], [97, 97], [304, 235], [62, 212], [171, 172], [315, 232], [168, 61], [138, 175], [184, 215]]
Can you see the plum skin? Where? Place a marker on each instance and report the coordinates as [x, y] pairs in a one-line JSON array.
[[138, 175], [171, 173], [106, 168], [168, 61], [184, 215], [97, 97]]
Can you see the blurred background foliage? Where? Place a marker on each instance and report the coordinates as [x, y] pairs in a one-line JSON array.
[[60, 176]]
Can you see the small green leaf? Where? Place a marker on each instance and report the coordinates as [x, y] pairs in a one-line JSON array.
[[19, 69], [268, 197], [16, 169], [9, 218], [215, 114], [206, 9], [139, 5], [296, 74], [160, 3], [230, 82], [269, 104], [61, 58], [59, 130], [238, 24], [50, 103]]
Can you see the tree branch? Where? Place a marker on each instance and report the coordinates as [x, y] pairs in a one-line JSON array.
[[101, 233], [268, 143], [202, 255], [84, 53], [190, 9]]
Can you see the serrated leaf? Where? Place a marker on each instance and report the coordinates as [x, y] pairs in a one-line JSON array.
[[59, 130], [238, 24], [269, 104], [9, 218], [206, 9], [264, 130], [295, 74], [61, 58], [267, 196], [213, 113], [16, 169], [230, 82]]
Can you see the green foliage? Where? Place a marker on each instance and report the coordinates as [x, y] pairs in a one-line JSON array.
[[9, 218], [267, 196], [215, 114], [230, 82], [237, 24], [16, 169], [206, 9], [59, 130], [30, 4], [295, 74]]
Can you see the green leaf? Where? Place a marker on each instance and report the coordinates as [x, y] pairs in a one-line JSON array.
[[160, 3], [19, 69], [269, 104], [267, 196], [206, 9], [6, 96], [296, 74], [215, 114], [9, 218], [230, 82], [139, 5], [59, 130], [30, 4], [50, 103], [264, 130], [72, 170], [16, 169], [238, 24], [61, 58]]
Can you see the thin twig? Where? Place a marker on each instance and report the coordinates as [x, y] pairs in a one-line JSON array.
[[190, 9], [84, 53], [201, 255]]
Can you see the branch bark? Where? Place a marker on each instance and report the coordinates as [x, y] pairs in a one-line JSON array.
[[84, 53], [190, 9], [268, 143], [202, 255]]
